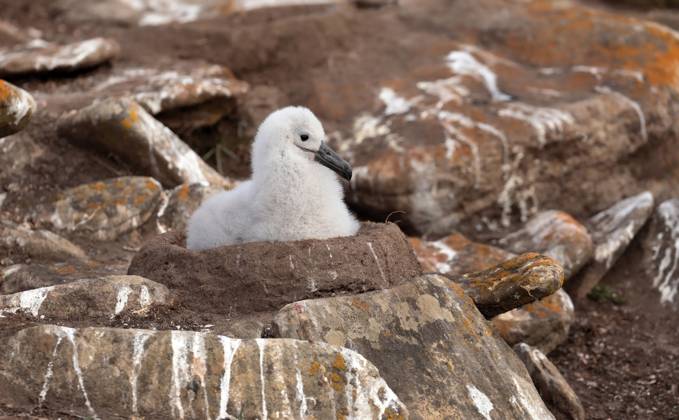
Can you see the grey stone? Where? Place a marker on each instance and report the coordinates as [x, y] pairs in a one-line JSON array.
[[552, 386], [110, 373], [431, 345]]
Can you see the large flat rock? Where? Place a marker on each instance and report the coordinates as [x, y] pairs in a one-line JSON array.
[[501, 115], [93, 298], [124, 128], [261, 276], [431, 345], [112, 373], [612, 231], [39, 56], [104, 210]]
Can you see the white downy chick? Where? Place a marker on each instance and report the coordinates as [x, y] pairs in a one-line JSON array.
[[293, 194]]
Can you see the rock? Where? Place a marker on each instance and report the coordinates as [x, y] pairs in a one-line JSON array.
[[104, 210], [104, 297], [487, 129], [43, 57], [555, 234], [122, 127], [38, 244], [455, 255], [17, 152], [543, 324], [16, 108], [263, 276], [513, 283], [108, 373], [424, 336], [19, 277], [612, 230], [661, 253], [257, 104], [160, 91], [552, 386], [150, 12], [371, 4], [182, 202]]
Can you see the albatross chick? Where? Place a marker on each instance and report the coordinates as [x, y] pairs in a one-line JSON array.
[[293, 193]]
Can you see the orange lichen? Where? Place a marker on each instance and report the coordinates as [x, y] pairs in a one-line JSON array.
[[5, 90], [99, 186], [131, 118], [339, 363], [360, 304], [151, 185], [183, 193], [315, 368], [337, 382]]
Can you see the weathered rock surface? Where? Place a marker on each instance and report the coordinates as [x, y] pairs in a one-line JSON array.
[[261, 276], [107, 373], [160, 91], [555, 234], [94, 298], [40, 244], [122, 127], [16, 108], [513, 283], [150, 12], [487, 128], [661, 252], [612, 231], [455, 255], [41, 57], [106, 209], [431, 346], [20, 277], [543, 324], [552, 386], [182, 202], [17, 152]]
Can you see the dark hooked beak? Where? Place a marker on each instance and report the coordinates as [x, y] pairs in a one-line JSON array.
[[328, 158]]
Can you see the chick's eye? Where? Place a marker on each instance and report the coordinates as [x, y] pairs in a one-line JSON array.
[[304, 137]]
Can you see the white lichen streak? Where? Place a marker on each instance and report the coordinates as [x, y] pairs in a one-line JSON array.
[[369, 391], [138, 342], [29, 301], [618, 227], [299, 388], [49, 373], [449, 253], [464, 63], [70, 334], [144, 297], [229, 346], [481, 401], [377, 261], [543, 120], [261, 343], [394, 104], [632, 104], [121, 300], [180, 351], [666, 278], [528, 399]]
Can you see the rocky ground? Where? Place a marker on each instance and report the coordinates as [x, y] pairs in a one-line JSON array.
[[525, 151]]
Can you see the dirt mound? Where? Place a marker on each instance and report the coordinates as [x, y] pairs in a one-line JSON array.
[[262, 276]]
